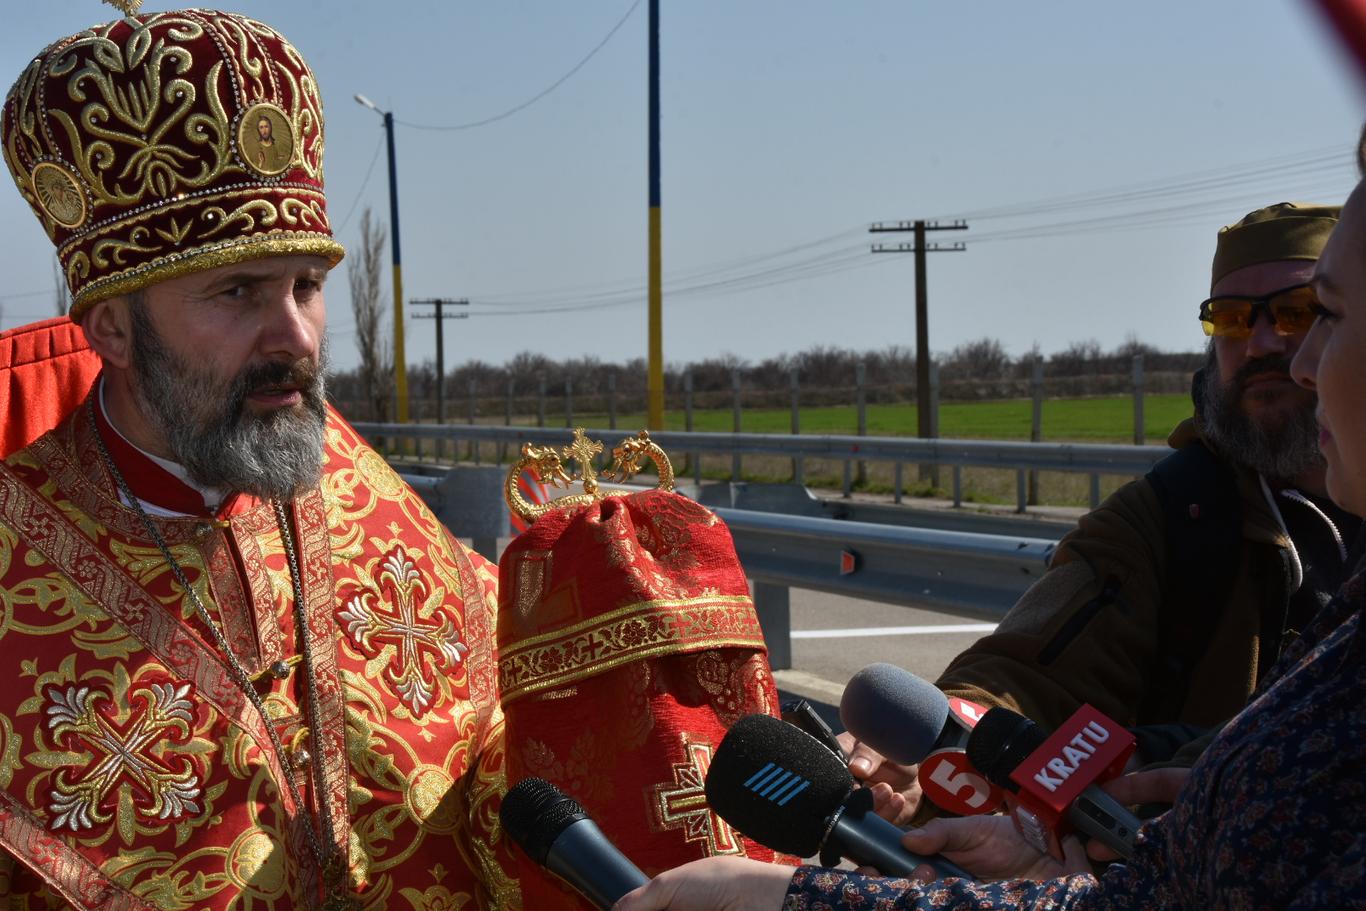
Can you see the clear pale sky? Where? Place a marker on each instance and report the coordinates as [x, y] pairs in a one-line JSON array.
[[788, 127]]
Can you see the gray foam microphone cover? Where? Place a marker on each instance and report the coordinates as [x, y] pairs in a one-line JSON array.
[[894, 712]]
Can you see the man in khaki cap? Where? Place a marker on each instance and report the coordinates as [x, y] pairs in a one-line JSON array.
[[1171, 600]]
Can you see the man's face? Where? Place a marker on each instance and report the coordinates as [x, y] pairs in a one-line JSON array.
[[263, 128], [1253, 409], [227, 366]]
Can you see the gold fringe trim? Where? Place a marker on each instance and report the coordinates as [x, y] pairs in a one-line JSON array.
[[257, 246], [613, 617], [633, 633]]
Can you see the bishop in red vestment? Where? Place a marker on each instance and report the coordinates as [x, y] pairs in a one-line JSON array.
[[245, 667]]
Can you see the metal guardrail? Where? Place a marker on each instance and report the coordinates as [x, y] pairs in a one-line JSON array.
[[964, 571], [1087, 458], [975, 573]]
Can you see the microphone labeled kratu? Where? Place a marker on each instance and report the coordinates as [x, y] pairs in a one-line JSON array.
[[559, 835], [784, 789], [1052, 780], [910, 721]]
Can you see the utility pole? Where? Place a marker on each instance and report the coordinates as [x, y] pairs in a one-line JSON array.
[[439, 304], [400, 357], [655, 379], [924, 427]]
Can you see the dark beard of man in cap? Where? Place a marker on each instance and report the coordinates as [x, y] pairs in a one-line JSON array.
[[1282, 449], [211, 433]]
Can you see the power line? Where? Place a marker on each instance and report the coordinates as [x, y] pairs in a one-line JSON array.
[[835, 262], [1192, 182], [535, 98], [742, 274], [1151, 217], [355, 202], [768, 269], [710, 281], [709, 270], [677, 289]]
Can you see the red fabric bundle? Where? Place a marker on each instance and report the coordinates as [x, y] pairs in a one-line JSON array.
[[45, 371], [627, 644]]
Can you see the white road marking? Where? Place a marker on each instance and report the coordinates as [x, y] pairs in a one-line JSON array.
[[809, 685], [893, 631]]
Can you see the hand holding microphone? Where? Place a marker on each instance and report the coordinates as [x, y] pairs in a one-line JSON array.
[[992, 848], [1053, 778], [1145, 788], [782, 788], [911, 736]]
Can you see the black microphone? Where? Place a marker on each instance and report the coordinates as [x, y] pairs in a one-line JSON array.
[[901, 716], [1004, 741], [556, 832], [784, 789]]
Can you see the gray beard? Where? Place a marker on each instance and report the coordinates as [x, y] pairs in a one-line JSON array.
[[1284, 452], [209, 430]]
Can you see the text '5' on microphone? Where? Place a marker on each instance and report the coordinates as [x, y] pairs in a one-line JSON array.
[[1052, 779], [910, 721], [785, 790], [556, 832]]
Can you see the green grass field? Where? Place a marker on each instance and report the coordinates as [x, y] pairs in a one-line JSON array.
[[1091, 420]]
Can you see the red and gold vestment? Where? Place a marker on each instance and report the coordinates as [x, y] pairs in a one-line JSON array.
[[134, 772]]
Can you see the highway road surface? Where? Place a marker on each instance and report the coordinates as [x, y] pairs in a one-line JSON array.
[[834, 636]]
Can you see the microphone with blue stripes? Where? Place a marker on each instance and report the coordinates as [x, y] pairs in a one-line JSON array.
[[784, 789]]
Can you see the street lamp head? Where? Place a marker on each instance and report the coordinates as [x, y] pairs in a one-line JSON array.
[[361, 99]]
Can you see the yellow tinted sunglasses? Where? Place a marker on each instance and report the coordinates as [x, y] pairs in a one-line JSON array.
[[1291, 310]]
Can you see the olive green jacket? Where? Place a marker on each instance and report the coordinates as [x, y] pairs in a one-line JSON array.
[[1087, 632]]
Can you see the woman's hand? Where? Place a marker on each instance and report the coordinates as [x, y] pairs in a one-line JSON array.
[[1153, 786], [713, 884], [896, 791], [990, 847]]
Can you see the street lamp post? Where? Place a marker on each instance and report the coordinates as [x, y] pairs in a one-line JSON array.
[[400, 363]]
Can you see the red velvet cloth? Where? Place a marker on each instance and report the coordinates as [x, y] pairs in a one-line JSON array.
[[45, 371], [628, 643]]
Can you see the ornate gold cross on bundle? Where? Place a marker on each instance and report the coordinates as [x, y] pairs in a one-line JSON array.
[[547, 465]]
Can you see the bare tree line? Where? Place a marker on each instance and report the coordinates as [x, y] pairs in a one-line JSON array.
[[978, 370]]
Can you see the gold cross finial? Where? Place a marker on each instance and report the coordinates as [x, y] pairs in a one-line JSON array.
[[546, 464], [127, 7], [582, 450]]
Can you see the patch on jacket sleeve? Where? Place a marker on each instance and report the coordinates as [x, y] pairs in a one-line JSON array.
[[1055, 592]]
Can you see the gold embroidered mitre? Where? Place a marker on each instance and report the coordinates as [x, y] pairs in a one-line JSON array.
[[167, 143]]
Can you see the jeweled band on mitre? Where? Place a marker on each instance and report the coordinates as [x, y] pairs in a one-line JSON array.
[[167, 143]]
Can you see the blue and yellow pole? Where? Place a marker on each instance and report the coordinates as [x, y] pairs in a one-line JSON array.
[[655, 411], [400, 362]]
